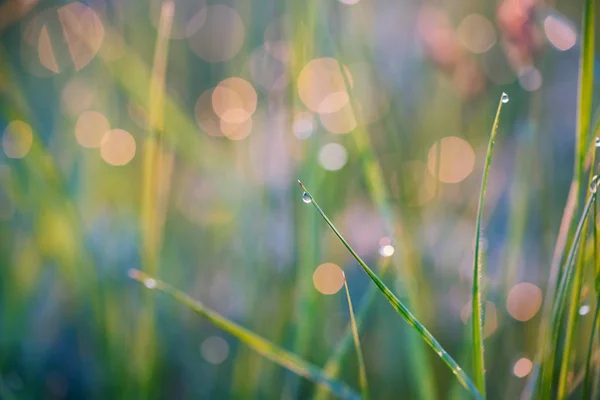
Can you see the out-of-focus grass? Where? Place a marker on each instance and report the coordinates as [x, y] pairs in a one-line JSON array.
[[221, 218], [254, 341]]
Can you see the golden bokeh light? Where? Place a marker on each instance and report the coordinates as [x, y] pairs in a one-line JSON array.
[[214, 350], [83, 32], [522, 367], [490, 324], [117, 147], [560, 33], [46, 53], [221, 36], [236, 131], [77, 96], [524, 301], [90, 128], [476, 33], [17, 139], [333, 156], [61, 36], [328, 278], [341, 121], [188, 16], [321, 86], [437, 35], [234, 100], [456, 157]]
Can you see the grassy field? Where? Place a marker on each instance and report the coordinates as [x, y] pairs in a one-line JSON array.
[[154, 241]]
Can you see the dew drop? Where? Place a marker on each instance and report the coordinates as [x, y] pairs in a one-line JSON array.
[[594, 184], [598, 142], [504, 98], [150, 283], [306, 198], [439, 353], [584, 309]]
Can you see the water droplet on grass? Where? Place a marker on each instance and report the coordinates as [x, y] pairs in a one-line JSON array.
[[150, 283], [598, 142], [594, 184], [504, 98], [584, 309], [306, 198]]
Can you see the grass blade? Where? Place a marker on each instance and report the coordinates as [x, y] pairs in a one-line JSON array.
[[584, 116], [332, 366], [260, 345], [575, 295], [586, 384], [559, 302], [364, 386], [464, 380], [587, 390], [477, 311]]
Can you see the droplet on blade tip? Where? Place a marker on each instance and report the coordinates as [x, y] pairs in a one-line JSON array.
[[504, 98], [306, 198]]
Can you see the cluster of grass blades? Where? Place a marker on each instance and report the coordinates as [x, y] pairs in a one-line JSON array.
[[326, 377], [553, 362], [554, 359], [262, 346]]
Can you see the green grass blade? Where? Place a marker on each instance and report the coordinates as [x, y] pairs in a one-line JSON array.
[[559, 302], [587, 389], [586, 86], [262, 346], [462, 377], [477, 310], [333, 364], [575, 295], [584, 116], [571, 323], [364, 386]]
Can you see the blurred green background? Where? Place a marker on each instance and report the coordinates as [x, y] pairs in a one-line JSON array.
[[168, 137]]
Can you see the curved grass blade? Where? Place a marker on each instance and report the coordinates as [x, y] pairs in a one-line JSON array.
[[584, 111], [364, 386], [477, 310], [262, 346], [575, 294], [462, 377], [586, 384], [559, 302]]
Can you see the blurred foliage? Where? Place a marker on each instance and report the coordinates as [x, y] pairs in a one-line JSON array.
[[168, 137]]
